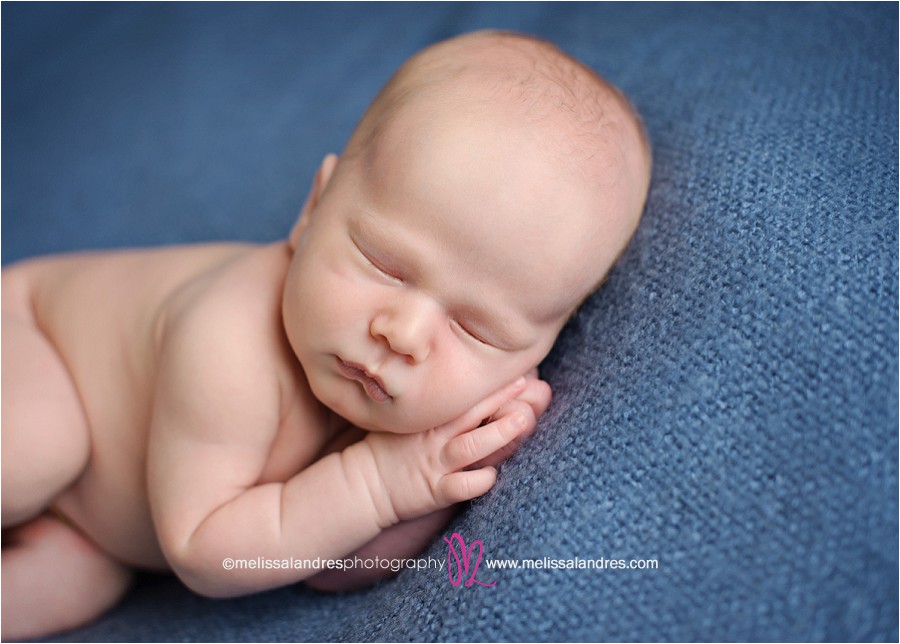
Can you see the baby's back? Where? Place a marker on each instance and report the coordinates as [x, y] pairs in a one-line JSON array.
[[103, 313]]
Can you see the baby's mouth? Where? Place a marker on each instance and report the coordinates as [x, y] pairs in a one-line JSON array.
[[372, 384]]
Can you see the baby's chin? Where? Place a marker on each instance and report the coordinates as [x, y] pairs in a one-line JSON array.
[[392, 421]]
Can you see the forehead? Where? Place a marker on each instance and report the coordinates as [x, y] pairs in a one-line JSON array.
[[490, 199], [500, 195]]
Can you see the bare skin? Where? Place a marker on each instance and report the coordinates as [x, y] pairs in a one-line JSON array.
[[99, 469], [337, 392]]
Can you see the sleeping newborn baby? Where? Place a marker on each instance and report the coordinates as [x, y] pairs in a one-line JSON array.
[[335, 393]]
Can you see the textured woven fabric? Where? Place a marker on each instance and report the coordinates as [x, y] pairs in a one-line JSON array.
[[727, 404]]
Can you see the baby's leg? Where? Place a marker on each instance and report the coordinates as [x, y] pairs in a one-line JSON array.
[[54, 579], [45, 439]]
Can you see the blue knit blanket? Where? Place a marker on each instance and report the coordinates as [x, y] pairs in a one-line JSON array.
[[726, 406]]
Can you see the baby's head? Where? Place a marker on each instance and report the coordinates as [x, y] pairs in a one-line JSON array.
[[484, 195]]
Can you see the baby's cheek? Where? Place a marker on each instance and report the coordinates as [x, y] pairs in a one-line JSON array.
[[456, 394]]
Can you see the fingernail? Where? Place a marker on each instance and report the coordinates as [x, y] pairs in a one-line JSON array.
[[520, 382], [518, 420]]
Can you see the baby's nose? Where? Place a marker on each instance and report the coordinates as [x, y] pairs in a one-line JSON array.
[[407, 325]]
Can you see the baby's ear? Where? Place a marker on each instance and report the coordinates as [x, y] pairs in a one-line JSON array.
[[323, 176]]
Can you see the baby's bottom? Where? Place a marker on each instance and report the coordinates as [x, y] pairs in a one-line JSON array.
[[53, 578]]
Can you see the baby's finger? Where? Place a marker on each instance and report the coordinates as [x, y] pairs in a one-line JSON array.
[[510, 408], [538, 394], [479, 443], [463, 486], [474, 416], [513, 446], [503, 453]]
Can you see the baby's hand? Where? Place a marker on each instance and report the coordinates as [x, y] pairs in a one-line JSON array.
[[434, 469], [538, 394]]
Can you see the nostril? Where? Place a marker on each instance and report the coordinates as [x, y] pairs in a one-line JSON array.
[[406, 332]]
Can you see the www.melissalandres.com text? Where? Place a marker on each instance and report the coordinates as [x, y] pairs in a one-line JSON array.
[[431, 563]]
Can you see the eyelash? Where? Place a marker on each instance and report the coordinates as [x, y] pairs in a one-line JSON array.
[[378, 268], [471, 335], [397, 279], [387, 274]]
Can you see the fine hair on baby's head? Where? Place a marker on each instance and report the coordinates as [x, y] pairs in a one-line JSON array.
[[485, 193], [578, 121]]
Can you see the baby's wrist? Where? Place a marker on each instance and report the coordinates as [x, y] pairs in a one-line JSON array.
[[361, 464]]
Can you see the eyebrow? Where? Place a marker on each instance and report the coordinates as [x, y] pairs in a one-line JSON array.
[[396, 255]]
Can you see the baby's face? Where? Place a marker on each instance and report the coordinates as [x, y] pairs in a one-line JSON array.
[[436, 268]]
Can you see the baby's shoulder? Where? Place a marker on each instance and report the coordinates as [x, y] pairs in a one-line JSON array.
[[224, 325], [243, 286], [226, 378]]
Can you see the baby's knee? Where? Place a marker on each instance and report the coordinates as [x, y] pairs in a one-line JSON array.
[[30, 486], [55, 579]]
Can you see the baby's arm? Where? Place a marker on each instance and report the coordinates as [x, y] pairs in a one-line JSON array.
[[402, 541], [216, 415], [408, 539]]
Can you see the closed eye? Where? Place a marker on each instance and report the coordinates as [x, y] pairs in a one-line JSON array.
[[471, 334], [378, 267]]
